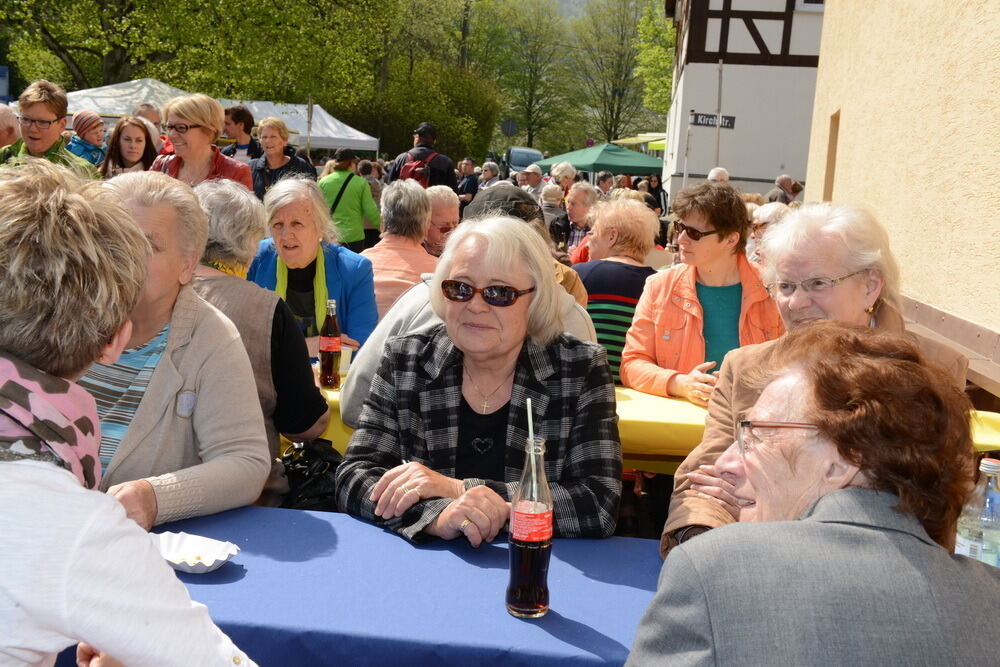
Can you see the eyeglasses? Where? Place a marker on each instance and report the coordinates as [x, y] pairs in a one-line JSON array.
[[446, 226], [748, 439], [786, 288], [693, 234], [495, 295], [40, 124], [179, 128]]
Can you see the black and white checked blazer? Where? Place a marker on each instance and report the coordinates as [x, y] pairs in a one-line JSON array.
[[412, 411]]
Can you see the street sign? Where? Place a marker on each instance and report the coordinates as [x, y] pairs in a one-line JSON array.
[[509, 127], [708, 120]]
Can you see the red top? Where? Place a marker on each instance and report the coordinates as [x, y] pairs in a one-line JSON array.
[[222, 167]]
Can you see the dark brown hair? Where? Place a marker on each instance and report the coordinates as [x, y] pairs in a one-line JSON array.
[[240, 114], [114, 158], [893, 413], [721, 204]]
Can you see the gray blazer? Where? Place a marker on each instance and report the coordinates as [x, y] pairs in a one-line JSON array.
[[852, 582]]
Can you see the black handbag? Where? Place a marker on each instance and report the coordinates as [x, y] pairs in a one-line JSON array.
[[311, 471]]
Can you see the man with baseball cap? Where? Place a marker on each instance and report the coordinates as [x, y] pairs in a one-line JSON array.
[[422, 162], [533, 181]]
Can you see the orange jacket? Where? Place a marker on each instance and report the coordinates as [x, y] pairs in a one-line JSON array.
[[666, 333]]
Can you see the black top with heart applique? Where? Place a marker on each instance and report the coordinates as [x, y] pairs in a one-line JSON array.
[[482, 443]]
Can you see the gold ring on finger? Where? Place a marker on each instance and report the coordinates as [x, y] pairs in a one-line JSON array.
[[464, 524]]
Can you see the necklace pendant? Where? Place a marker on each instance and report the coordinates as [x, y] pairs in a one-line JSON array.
[[486, 406]]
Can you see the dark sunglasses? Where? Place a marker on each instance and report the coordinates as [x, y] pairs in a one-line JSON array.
[[494, 295], [693, 234]]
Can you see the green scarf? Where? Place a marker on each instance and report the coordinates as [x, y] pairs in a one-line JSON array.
[[319, 285]]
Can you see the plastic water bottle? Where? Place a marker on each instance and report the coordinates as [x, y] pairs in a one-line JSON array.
[[979, 524]]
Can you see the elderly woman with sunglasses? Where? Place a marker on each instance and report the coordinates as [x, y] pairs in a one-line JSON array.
[[691, 315], [851, 469], [193, 124], [440, 445]]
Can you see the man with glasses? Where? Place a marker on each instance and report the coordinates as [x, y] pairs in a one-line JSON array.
[[823, 262], [444, 218], [42, 117], [691, 315]]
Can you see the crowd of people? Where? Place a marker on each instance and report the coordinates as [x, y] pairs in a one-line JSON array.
[[161, 300]]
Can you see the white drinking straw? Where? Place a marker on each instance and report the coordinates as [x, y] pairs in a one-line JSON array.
[[531, 450]]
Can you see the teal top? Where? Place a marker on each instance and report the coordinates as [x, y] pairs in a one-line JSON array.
[[721, 328]]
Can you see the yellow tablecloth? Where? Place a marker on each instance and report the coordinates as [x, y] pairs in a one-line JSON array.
[[657, 433]]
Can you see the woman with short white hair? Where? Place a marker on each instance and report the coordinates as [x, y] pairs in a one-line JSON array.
[[289, 399], [181, 428], [302, 261], [490, 175], [439, 447], [399, 257], [563, 174], [77, 569], [760, 218]]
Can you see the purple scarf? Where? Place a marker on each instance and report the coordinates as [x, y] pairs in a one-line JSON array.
[[47, 418]]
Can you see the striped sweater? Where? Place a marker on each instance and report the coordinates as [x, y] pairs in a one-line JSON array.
[[613, 290]]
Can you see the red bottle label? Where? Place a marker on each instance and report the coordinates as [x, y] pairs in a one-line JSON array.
[[329, 343], [532, 527]]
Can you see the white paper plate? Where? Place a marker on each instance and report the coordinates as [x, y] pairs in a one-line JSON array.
[[193, 553]]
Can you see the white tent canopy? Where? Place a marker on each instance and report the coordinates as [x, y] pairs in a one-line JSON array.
[[120, 98], [327, 131]]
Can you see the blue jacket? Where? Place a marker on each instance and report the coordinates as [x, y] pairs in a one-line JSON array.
[[349, 280], [88, 151]]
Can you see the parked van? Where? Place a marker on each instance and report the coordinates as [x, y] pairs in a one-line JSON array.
[[516, 158]]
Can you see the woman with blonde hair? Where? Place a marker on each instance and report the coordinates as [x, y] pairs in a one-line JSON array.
[[79, 569], [278, 160], [621, 236], [193, 124]]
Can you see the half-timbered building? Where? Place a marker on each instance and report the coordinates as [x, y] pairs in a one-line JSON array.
[[759, 58]]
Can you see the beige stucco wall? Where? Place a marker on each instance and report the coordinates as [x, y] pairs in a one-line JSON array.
[[917, 83]]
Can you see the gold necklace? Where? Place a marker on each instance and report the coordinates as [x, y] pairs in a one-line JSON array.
[[486, 398]]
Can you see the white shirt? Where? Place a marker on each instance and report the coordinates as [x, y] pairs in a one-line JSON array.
[[242, 155], [75, 568]]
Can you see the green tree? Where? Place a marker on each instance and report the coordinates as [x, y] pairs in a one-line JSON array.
[[606, 61], [657, 42], [535, 78]]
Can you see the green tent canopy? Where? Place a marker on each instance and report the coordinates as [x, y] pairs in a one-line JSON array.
[[610, 157]]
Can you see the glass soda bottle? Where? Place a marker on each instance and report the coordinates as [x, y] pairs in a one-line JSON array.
[[530, 537], [329, 348], [979, 524]]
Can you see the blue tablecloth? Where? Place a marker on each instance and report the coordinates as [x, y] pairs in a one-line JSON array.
[[311, 588]]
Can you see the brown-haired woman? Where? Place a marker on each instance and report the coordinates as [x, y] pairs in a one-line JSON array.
[[692, 314], [851, 470], [131, 148]]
